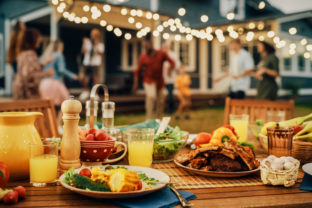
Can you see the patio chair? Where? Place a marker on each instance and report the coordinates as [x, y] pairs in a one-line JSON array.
[[45, 125], [257, 109]]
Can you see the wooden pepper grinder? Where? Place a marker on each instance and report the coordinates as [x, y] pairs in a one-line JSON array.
[[70, 146]]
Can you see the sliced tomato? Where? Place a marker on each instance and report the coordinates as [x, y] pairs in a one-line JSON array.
[[85, 172], [140, 185], [202, 138]]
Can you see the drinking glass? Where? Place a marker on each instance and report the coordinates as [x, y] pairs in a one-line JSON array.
[[43, 163], [140, 146], [280, 141], [240, 123]]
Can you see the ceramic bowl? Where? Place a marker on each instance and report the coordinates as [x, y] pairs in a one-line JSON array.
[[99, 151]]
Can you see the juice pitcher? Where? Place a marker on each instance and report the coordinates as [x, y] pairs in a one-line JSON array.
[[17, 132]]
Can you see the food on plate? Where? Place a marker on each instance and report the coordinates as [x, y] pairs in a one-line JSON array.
[[229, 157], [4, 174], [202, 138], [279, 171], [93, 135], [118, 179], [288, 123], [167, 144], [11, 196], [221, 135], [85, 172]]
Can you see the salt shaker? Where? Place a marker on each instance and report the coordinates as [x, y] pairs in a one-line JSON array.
[[70, 146]]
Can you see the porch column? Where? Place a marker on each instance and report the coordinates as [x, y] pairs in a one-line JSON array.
[[53, 25], [203, 65]]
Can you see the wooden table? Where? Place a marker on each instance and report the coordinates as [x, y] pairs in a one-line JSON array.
[[248, 196]]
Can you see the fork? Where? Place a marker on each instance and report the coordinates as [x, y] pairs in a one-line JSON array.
[[183, 201]]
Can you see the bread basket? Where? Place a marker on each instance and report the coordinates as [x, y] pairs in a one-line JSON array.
[[301, 150], [286, 178]]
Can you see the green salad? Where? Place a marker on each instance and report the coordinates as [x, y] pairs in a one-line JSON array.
[[167, 144]]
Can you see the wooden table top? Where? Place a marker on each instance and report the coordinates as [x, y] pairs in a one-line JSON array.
[[248, 196]]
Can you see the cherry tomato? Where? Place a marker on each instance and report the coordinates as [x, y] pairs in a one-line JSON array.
[[140, 185], [85, 172], [4, 174], [202, 138]]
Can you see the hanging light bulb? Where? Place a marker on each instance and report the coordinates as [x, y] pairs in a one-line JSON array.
[[138, 25], [84, 20], [94, 9], [230, 16], [160, 28], [189, 37], [250, 36], [240, 30], [171, 21], [260, 26], [54, 2], [188, 30], [177, 37], [117, 32], [166, 36], [292, 51], [181, 11], [208, 29], [292, 30], [77, 20], [173, 28], [271, 34], [155, 33], [303, 41], [149, 15], [139, 13], [204, 18], [209, 37], [133, 12], [156, 16], [106, 8], [277, 39], [71, 17], [131, 20], [86, 8], [252, 25], [128, 36], [309, 47], [261, 38], [307, 55], [165, 24], [103, 23], [123, 11], [65, 14], [230, 28], [261, 5], [109, 28]]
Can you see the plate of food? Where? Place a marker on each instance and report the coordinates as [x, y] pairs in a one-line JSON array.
[[220, 156], [114, 181]]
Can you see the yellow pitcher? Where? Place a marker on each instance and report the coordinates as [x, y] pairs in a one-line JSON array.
[[17, 131]]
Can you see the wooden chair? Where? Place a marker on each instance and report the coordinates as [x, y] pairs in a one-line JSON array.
[[257, 109], [45, 125]]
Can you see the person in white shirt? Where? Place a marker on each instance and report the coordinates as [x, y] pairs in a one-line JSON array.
[[240, 67], [93, 51], [170, 75]]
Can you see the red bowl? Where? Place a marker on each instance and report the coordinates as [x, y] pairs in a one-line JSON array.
[[96, 151]]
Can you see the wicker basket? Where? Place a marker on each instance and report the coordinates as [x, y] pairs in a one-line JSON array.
[[301, 150], [286, 178]]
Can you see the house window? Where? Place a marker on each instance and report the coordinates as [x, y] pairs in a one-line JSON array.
[[301, 63], [287, 63], [131, 50]]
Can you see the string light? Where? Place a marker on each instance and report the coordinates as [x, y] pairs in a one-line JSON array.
[[261, 5], [309, 47], [230, 16], [271, 34], [177, 21], [117, 32], [181, 11], [171, 22], [86, 8], [71, 17], [77, 20], [204, 18], [65, 14], [156, 16], [240, 30], [252, 25], [177, 37], [307, 55], [106, 8], [292, 46], [54, 2], [292, 30], [208, 29], [209, 37], [131, 20], [103, 23], [188, 30], [276, 40], [261, 38], [133, 12], [260, 26], [138, 25], [128, 36], [160, 28], [165, 24], [94, 9], [155, 33], [303, 41], [84, 20], [149, 15], [123, 11], [189, 37], [292, 51], [109, 28], [173, 28], [139, 13], [166, 36], [230, 28], [250, 36]]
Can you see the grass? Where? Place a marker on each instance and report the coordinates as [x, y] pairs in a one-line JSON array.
[[204, 119]]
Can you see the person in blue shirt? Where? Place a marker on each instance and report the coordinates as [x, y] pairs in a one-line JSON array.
[[53, 87]]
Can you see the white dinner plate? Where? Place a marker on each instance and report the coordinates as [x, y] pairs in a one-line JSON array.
[[307, 168], [150, 172]]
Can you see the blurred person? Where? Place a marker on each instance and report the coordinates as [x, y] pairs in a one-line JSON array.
[[267, 71], [53, 87], [183, 83], [151, 63], [240, 67], [170, 75], [12, 50], [29, 69], [92, 49]]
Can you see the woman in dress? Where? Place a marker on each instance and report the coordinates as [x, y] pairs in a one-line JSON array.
[[183, 83], [267, 71], [53, 87], [29, 69]]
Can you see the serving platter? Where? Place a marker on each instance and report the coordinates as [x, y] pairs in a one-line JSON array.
[[150, 172], [219, 174], [307, 168]]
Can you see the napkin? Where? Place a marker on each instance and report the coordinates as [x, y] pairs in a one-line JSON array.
[[163, 198], [306, 183]]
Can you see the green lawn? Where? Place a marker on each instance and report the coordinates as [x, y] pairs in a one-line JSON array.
[[205, 119]]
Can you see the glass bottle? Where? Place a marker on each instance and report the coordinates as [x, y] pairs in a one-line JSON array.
[[91, 110], [108, 111]]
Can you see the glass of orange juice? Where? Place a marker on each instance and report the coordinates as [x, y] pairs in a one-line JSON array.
[[43, 163], [240, 123], [140, 146]]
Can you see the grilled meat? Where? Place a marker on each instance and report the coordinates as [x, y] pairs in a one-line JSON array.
[[222, 163], [198, 162]]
